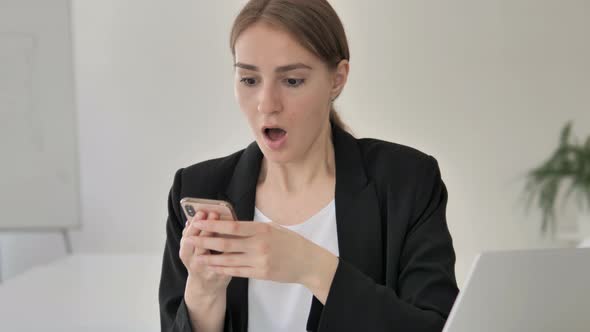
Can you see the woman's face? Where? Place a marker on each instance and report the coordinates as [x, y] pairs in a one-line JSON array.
[[279, 83]]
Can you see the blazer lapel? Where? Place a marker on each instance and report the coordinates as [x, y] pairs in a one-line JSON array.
[[358, 220], [241, 193]]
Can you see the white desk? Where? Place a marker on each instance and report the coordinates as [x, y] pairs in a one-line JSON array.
[[84, 292]]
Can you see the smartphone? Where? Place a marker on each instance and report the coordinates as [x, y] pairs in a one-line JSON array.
[[190, 206]]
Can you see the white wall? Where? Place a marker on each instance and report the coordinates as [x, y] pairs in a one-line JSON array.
[[38, 146], [484, 86]]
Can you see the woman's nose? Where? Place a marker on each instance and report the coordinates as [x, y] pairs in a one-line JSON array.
[[269, 100]]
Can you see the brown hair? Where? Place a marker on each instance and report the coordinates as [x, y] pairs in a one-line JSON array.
[[313, 23]]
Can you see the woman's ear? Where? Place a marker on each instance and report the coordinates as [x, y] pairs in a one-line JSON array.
[[339, 77]]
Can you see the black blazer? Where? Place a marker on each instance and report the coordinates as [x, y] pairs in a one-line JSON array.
[[396, 263]]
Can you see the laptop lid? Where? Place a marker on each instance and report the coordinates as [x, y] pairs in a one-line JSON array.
[[541, 290]]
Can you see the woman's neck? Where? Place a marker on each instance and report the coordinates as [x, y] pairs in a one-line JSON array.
[[294, 177]]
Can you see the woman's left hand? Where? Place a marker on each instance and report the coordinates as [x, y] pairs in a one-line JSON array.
[[260, 250]]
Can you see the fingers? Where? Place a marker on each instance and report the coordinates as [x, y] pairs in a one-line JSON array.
[[190, 231], [235, 228], [187, 248], [200, 215], [228, 259], [223, 244], [196, 231]]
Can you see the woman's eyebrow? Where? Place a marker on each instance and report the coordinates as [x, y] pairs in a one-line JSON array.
[[280, 69]]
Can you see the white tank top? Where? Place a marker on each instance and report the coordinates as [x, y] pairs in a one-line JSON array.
[[275, 306]]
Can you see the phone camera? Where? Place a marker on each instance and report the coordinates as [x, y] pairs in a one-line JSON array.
[[190, 210]]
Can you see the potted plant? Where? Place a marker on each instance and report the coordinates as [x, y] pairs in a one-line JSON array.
[[545, 184]]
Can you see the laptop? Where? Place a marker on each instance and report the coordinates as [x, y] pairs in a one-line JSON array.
[[541, 290]]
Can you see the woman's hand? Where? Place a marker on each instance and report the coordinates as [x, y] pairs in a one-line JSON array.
[[260, 250], [200, 281]]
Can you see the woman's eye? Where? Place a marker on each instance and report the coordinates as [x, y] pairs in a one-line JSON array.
[[294, 82], [248, 81]]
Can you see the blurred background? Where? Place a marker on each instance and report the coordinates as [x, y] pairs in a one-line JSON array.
[[102, 101]]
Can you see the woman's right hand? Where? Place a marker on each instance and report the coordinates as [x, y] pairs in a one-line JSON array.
[[200, 281]]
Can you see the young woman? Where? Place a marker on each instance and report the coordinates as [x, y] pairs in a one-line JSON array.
[[334, 233]]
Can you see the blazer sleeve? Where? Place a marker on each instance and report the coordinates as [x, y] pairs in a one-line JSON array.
[[426, 288], [174, 315]]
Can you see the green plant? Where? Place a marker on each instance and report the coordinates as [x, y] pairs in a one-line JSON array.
[[570, 163]]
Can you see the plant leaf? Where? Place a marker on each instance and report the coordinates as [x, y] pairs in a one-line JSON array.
[[565, 133]]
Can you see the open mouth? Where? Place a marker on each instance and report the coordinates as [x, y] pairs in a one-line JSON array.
[[274, 134]]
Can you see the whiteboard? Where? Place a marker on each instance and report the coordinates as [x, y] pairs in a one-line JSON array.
[[39, 176]]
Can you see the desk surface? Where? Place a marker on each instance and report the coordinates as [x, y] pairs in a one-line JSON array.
[[84, 292]]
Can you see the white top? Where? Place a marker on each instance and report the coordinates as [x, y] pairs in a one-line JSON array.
[[275, 306]]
